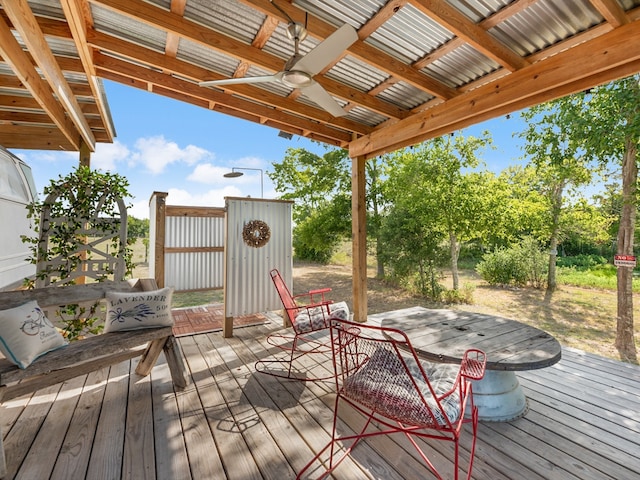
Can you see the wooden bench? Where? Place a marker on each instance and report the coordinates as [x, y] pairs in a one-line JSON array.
[[92, 353]]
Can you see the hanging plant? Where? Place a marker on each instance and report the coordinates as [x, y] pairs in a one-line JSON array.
[[81, 213]]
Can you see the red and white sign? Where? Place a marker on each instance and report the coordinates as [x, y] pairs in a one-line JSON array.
[[624, 260]]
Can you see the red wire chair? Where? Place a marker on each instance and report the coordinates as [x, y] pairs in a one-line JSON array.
[[378, 373], [308, 313]]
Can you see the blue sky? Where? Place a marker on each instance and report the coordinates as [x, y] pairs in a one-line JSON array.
[[170, 146]]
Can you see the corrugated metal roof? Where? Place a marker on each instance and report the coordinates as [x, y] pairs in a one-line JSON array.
[[408, 53], [545, 23], [463, 65], [409, 35], [209, 58], [230, 17], [338, 12], [401, 93], [121, 26], [47, 8], [357, 74], [478, 10]]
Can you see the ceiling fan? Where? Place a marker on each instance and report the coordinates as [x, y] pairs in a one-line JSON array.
[[300, 69]]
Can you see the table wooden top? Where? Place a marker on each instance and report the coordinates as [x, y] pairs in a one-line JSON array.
[[444, 335]]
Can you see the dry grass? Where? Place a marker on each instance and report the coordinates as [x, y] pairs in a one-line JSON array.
[[577, 317]]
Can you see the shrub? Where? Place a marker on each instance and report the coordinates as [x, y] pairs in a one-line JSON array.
[[522, 264], [462, 295], [581, 261], [502, 267]]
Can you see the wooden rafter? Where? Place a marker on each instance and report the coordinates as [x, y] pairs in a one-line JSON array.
[[76, 14], [534, 84], [26, 24], [475, 35], [42, 94]]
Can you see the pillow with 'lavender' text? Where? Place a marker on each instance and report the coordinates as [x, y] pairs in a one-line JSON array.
[[136, 310]]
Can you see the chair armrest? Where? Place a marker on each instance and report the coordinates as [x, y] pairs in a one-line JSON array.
[[473, 364], [311, 302]]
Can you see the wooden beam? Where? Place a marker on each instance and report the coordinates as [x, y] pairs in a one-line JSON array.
[[26, 24], [607, 55], [188, 70], [168, 64], [34, 138], [76, 16], [245, 53], [611, 11], [451, 19], [371, 55], [170, 22], [21, 64], [359, 238], [106, 64]]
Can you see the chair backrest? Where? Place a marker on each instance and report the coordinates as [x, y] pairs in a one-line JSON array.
[[287, 299], [377, 367]]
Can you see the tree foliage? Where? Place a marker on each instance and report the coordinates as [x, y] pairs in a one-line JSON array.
[[435, 180]]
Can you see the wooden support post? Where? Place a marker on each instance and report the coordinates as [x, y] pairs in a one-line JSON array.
[[359, 238], [84, 160], [157, 226], [85, 155]]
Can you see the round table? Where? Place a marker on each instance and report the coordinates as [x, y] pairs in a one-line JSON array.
[[444, 335]]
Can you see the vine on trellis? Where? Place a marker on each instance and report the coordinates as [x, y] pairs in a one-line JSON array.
[[81, 232]]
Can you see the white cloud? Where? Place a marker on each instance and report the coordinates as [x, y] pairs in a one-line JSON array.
[[210, 198], [139, 209], [155, 153], [108, 154], [208, 173]]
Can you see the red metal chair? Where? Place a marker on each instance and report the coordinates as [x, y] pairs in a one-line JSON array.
[[379, 375], [308, 314]]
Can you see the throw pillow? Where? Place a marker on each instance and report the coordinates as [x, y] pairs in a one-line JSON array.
[[136, 310], [26, 334], [316, 318]]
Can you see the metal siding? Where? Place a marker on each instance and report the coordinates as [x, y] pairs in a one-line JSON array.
[[194, 270], [248, 286]]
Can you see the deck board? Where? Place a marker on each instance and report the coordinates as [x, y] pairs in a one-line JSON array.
[[235, 423]]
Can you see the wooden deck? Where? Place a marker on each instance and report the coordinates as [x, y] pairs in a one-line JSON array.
[[234, 423]]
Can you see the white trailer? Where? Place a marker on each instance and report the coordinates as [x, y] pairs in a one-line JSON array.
[[17, 190]]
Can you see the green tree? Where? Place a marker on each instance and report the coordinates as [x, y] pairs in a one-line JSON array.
[[600, 128], [137, 227], [435, 176], [321, 189], [556, 152], [610, 124]]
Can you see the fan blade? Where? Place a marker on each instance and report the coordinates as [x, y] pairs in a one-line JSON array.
[[317, 94], [327, 51], [233, 81]]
